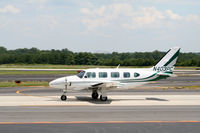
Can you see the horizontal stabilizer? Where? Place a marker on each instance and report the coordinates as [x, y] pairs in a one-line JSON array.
[[167, 74]]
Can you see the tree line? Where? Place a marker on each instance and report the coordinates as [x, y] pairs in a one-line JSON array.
[[67, 57]]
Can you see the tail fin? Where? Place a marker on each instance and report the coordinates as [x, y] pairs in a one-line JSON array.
[[168, 61], [170, 58]]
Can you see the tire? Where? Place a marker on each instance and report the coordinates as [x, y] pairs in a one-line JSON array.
[[103, 98], [63, 97], [95, 95]]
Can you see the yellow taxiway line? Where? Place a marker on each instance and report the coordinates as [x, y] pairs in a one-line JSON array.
[[23, 90], [111, 122]]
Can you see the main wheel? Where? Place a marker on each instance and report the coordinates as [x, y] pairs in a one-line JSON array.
[[95, 95], [103, 98], [63, 97]]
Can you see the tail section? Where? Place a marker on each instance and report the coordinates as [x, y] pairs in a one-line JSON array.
[[166, 64], [170, 58]]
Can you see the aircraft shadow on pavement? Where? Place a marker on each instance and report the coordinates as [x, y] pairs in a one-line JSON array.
[[89, 99], [156, 99], [97, 101]]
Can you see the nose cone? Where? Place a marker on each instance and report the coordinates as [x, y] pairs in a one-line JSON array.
[[58, 83]]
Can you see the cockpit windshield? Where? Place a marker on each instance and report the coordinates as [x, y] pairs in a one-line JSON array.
[[81, 74]]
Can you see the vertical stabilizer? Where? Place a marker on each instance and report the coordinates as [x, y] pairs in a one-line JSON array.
[[166, 64], [169, 60]]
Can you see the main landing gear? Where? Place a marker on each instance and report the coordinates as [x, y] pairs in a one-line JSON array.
[[95, 95], [103, 98]]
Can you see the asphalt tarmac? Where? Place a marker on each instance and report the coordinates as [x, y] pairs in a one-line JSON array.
[[39, 109], [147, 112], [168, 127]]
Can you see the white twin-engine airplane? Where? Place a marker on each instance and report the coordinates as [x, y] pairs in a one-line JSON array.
[[102, 80]]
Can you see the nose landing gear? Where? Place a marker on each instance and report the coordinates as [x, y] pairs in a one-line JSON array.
[[63, 97]]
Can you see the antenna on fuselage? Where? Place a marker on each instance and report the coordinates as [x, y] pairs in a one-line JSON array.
[[118, 66]]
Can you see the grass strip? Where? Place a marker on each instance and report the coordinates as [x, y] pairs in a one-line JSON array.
[[17, 72], [184, 87], [49, 66], [27, 83], [45, 83]]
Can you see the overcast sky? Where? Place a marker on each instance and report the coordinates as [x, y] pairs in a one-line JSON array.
[[100, 25]]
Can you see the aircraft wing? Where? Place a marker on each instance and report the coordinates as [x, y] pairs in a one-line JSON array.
[[106, 85]]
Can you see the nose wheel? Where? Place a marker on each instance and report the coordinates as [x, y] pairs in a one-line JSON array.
[[63, 97]]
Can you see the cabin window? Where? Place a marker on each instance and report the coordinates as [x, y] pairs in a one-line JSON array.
[[126, 75], [115, 74], [90, 75], [81, 74], [136, 74], [103, 75]]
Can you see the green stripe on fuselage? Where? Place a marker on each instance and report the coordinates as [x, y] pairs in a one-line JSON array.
[[147, 80], [169, 72], [138, 80]]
